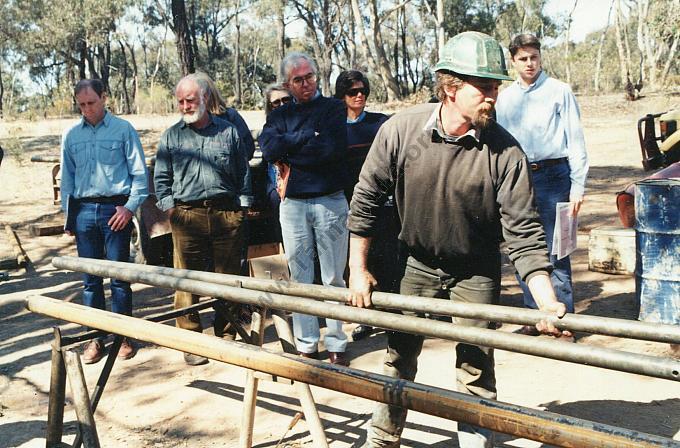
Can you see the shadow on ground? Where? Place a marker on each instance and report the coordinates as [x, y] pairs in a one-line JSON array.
[[634, 416], [345, 426]]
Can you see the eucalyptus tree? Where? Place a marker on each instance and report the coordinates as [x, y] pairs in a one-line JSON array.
[[324, 21]]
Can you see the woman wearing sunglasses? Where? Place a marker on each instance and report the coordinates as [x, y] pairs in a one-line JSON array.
[[275, 96], [353, 88]]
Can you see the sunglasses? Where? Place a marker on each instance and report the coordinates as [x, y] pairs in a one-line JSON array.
[[280, 101], [354, 92]]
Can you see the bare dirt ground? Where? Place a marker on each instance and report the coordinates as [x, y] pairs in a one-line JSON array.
[[155, 400]]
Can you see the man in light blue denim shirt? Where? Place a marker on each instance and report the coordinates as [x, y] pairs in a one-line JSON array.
[[103, 182], [542, 114]]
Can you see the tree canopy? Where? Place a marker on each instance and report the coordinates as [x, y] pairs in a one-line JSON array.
[[140, 48]]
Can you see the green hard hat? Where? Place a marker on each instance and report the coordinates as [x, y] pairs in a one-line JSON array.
[[474, 54]]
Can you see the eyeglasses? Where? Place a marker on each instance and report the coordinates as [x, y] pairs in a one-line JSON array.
[[279, 101], [354, 92], [300, 80]]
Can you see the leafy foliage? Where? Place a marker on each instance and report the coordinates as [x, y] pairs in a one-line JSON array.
[[129, 44]]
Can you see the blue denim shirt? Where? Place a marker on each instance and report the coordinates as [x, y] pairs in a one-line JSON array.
[[198, 164], [103, 160], [545, 119]]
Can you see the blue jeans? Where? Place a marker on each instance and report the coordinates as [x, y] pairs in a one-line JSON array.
[[316, 227], [95, 239], [552, 185]]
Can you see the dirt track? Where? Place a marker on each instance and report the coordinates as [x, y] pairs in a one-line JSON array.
[[154, 400]]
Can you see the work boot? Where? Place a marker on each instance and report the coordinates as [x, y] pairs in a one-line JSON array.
[[93, 352], [312, 355], [195, 360], [338, 358], [127, 349], [361, 331]]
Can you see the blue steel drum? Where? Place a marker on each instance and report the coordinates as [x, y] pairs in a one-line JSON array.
[[657, 247]]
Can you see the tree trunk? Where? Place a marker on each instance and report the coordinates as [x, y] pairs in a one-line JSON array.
[[91, 66], [123, 78], [280, 33], [82, 53], [669, 60], [359, 21], [404, 52], [642, 36], [567, 43], [145, 58], [182, 37], [352, 59], [2, 92], [161, 50], [623, 60], [441, 33], [237, 59], [598, 64], [383, 64], [12, 86], [318, 21], [135, 77], [106, 70], [191, 26]]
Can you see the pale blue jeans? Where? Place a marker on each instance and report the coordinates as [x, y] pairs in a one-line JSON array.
[[310, 228]]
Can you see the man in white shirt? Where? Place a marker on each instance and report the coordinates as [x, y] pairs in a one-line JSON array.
[[542, 114]]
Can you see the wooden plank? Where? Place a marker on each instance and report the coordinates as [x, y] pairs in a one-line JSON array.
[[16, 245], [81, 399], [55, 409], [273, 267], [264, 250], [45, 229], [9, 263]]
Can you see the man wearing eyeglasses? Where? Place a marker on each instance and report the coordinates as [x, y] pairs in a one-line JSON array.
[[309, 136], [461, 185]]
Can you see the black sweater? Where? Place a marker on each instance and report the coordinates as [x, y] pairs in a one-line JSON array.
[[312, 138], [360, 136]]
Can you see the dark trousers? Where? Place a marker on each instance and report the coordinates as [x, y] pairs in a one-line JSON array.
[[387, 255], [474, 365], [204, 238]]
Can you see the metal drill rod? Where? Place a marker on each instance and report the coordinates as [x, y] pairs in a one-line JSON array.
[[595, 356], [495, 313]]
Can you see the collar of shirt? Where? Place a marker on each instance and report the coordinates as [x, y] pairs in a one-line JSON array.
[[358, 119], [468, 140], [316, 95], [184, 124], [540, 79], [105, 121]]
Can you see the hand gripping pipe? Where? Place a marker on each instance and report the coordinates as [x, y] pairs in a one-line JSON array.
[[547, 427], [594, 356]]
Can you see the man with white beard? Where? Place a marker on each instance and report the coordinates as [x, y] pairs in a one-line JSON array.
[[202, 181]]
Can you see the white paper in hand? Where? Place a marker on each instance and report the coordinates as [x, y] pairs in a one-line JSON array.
[[565, 230]]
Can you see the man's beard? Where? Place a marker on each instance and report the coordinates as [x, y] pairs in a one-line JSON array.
[[193, 117], [483, 116]]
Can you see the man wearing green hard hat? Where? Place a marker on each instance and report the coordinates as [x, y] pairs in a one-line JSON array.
[[462, 185]]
